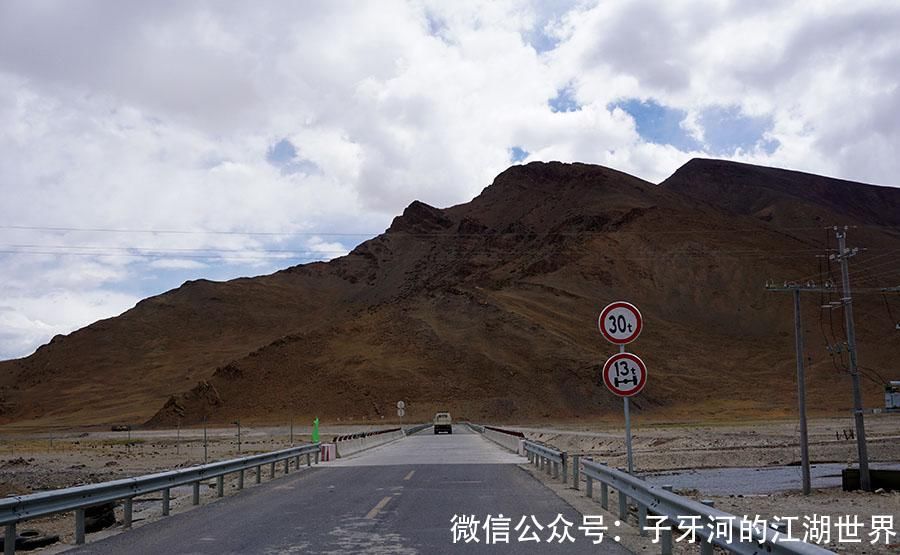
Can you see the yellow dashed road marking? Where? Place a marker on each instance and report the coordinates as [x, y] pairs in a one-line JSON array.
[[374, 512]]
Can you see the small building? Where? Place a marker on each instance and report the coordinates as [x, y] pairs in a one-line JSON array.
[[892, 396]]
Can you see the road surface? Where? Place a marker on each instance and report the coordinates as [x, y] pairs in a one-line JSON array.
[[398, 498]]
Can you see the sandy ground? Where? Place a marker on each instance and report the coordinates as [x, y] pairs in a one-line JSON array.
[[754, 444], [714, 445]]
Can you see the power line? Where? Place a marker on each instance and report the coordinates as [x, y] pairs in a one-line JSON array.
[[25, 248], [182, 231], [235, 256], [418, 234]]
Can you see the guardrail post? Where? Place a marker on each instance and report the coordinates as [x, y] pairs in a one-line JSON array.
[[258, 474], [79, 527], [220, 486], [165, 502], [623, 506], [127, 512], [555, 469], [706, 546], [297, 463], [195, 498], [576, 479], [287, 464], [9, 539], [272, 470], [565, 468], [241, 479], [308, 459], [642, 518], [665, 539], [317, 455], [589, 486], [604, 493]]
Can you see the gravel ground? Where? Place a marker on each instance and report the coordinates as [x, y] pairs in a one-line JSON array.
[[32, 461], [757, 448]]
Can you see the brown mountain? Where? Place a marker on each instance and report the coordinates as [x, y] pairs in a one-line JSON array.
[[489, 308]]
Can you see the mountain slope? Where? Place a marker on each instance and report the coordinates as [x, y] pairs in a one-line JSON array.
[[489, 309]]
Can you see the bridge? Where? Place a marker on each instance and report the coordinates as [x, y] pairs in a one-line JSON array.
[[398, 492], [395, 498]]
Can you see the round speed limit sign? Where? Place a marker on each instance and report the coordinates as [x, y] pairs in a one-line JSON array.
[[401, 405], [625, 374], [620, 322]]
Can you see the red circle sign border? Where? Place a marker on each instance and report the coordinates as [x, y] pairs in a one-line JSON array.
[[620, 304], [636, 359]]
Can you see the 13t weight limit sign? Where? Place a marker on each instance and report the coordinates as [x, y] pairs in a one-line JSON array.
[[625, 374], [620, 322]]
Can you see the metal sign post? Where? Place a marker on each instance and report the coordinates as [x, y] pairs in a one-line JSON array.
[[627, 401], [624, 374]]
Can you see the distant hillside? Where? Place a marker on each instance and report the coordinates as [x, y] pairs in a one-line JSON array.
[[489, 308]]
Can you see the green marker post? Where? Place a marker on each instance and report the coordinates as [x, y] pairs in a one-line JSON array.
[[315, 433]]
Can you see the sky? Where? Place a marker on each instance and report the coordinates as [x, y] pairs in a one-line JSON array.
[[143, 144]]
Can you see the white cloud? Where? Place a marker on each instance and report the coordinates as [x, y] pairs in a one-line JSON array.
[[159, 115]]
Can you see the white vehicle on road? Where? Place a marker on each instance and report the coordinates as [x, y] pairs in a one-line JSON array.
[[443, 423]]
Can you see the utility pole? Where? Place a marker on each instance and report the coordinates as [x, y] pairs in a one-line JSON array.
[[801, 373], [238, 424], [801, 393], [842, 256]]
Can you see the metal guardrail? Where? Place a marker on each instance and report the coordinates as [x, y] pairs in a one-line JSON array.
[[416, 429], [360, 435], [505, 431], [475, 427], [547, 458], [25, 507], [660, 501]]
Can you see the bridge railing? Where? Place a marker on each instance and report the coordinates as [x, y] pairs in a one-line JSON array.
[[25, 507], [737, 535], [548, 459], [418, 428], [669, 510]]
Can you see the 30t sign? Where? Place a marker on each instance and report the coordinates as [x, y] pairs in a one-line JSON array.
[[620, 322]]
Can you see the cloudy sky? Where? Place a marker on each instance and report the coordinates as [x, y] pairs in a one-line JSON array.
[[146, 143]]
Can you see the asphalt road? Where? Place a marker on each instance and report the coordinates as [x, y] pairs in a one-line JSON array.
[[399, 498]]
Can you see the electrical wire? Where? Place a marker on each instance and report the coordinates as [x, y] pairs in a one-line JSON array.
[[419, 234]]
